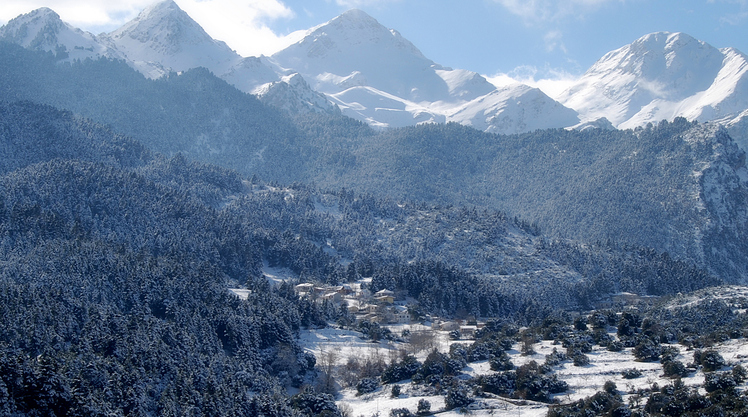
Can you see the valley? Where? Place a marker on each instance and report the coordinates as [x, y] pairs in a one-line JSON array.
[[347, 228]]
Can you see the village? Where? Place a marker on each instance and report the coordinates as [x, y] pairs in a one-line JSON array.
[[393, 309], [384, 307]]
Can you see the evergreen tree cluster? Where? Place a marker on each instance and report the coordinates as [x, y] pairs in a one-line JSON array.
[[114, 283]]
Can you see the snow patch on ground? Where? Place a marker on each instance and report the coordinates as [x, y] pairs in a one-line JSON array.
[[277, 276], [583, 381]]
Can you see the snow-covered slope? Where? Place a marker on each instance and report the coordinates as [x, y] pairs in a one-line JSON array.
[[662, 76], [163, 38], [374, 74], [514, 109], [43, 30], [292, 94]]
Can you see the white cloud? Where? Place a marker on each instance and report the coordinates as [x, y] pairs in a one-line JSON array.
[[551, 81], [544, 11], [362, 3], [554, 40], [242, 24], [737, 17], [87, 15]]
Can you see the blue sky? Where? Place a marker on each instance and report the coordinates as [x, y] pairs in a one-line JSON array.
[[527, 39]]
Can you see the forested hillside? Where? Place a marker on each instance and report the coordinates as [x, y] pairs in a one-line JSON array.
[[114, 278], [674, 187], [171, 205], [194, 113]]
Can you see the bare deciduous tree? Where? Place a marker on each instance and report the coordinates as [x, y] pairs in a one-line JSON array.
[[422, 340], [326, 364]]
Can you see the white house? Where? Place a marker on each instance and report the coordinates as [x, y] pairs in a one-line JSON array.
[[304, 288], [401, 314]]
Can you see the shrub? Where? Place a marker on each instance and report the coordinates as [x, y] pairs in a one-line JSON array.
[[439, 364], [710, 360], [647, 351], [533, 385], [457, 396], [501, 363], [478, 352], [628, 324], [610, 387], [555, 358], [580, 359], [580, 323], [719, 381], [579, 343], [598, 320], [674, 369], [601, 337], [631, 373], [424, 406], [433, 365], [615, 346], [600, 404], [401, 371], [458, 351], [401, 412], [668, 354], [367, 385], [739, 374], [317, 403], [502, 383]]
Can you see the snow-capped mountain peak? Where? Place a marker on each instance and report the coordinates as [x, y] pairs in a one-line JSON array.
[[355, 42], [376, 75], [43, 30], [165, 38], [164, 26], [660, 76], [351, 64], [355, 27], [668, 62], [292, 94], [36, 30]]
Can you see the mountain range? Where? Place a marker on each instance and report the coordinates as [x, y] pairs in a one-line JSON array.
[[354, 65], [150, 175], [674, 187]]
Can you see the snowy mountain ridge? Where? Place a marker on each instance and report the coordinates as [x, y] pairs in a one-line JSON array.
[[351, 63], [164, 38], [372, 73], [660, 76], [43, 30]]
